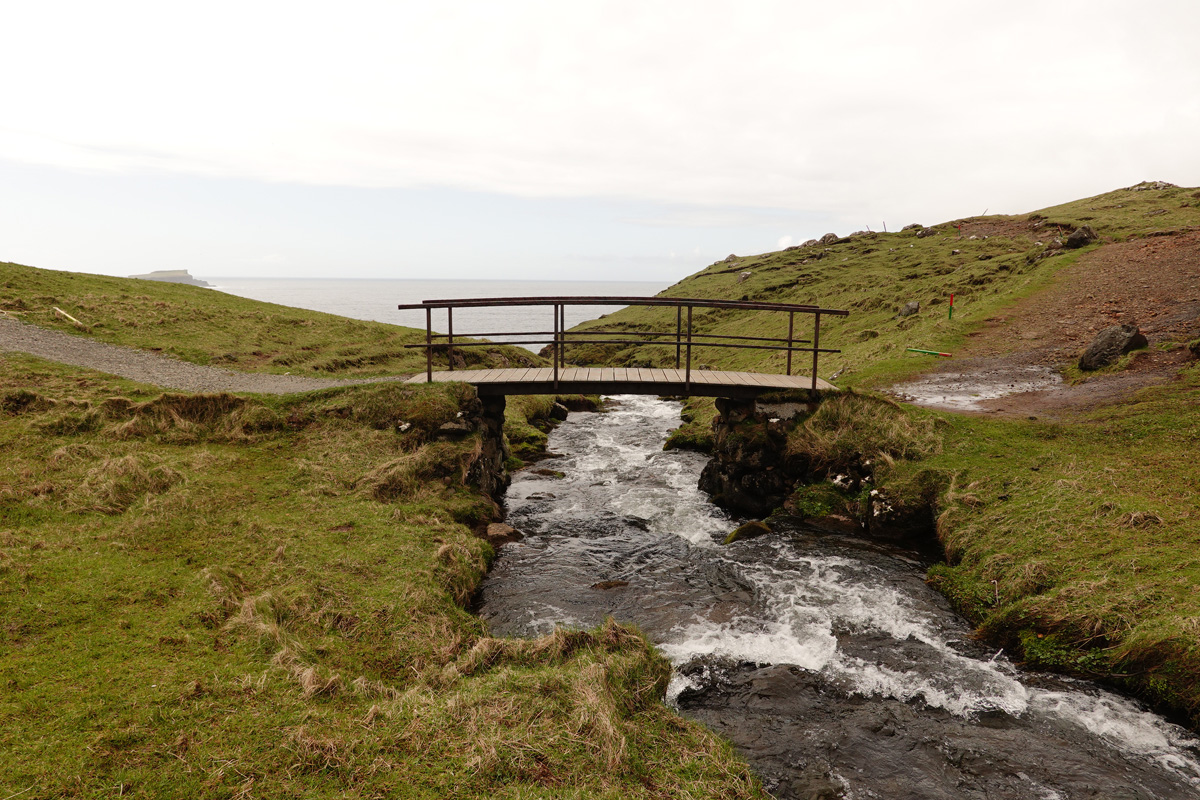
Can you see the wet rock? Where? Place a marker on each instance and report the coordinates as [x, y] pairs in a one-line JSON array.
[[603, 585], [498, 533], [640, 523], [488, 471], [1082, 235], [558, 411], [750, 530], [828, 239], [1110, 344], [909, 309]]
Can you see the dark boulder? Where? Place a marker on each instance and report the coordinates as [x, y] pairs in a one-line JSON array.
[[1110, 344], [1082, 235]]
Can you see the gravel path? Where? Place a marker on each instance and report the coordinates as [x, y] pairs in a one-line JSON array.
[[153, 368]]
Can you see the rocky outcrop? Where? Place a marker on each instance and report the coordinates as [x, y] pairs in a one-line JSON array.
[[1083, 235], [1110, 344], [750, 472], [488, 471], [828, 239]]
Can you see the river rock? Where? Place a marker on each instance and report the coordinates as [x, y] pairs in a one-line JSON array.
[[1083, 235], [749, 530], [498, 533], [1110, 344]]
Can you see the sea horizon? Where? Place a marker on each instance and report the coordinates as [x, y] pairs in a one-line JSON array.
[[376, 299]]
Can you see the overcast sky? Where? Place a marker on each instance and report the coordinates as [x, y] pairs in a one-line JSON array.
[[562, 139]]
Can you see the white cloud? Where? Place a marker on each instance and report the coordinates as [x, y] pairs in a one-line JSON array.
[[784, 241], [868, 110]]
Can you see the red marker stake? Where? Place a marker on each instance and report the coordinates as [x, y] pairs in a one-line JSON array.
[[951, 305]]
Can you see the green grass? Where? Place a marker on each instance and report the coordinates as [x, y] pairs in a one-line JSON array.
[[874, 275], [258, 596], [1084, 532], [1072, 544], [205, 326]]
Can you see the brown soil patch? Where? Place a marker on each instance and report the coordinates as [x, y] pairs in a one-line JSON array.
[[1152, 282]]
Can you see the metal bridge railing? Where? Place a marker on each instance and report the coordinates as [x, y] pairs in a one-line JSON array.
[[684, 338]]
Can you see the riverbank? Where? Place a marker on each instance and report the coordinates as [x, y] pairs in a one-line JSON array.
[[1069, 517], [254, 595]]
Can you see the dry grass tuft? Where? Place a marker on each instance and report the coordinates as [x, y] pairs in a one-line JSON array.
[[115, 484], [1140, 519], [191, 417], [315, 753]]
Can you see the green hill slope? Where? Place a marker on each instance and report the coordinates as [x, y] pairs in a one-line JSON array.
[[210, 327]]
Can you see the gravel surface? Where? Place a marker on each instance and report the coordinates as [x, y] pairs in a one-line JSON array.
[[154, 368]]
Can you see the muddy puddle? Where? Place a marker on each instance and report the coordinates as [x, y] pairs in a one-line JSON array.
[[971, 390]]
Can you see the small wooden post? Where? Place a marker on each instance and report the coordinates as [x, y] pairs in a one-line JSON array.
[[428, 344], [556, 350], [450, 338], [816, 346], [791, 329]]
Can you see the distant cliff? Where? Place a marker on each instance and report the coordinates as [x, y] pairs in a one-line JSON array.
[[172, 276]]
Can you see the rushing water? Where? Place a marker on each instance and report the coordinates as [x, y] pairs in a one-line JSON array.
[[826, 660]]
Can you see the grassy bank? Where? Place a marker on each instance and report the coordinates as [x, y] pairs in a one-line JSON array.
[[206, 326], [227, 596]]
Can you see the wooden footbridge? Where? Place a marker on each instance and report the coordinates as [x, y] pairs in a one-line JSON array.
[[683, 379]]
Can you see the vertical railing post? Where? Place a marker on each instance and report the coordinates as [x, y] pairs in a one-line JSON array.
[[678, 333], [562, 326], [791, 329], [816, 346], [687, 375], [450, 338], [556, 350], [428, 344]]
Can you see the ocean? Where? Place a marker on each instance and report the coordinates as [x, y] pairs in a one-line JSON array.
[[376, 299]]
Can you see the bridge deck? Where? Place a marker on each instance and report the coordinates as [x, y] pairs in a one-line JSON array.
[[605, 380]]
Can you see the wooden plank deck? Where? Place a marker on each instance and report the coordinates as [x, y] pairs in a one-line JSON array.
[[595, 380]]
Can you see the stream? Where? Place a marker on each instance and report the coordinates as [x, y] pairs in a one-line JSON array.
[[826, 660]]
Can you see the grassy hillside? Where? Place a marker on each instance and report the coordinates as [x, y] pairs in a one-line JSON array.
[[985, 262], [1073, 543], [223, 596], [210, 327]]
